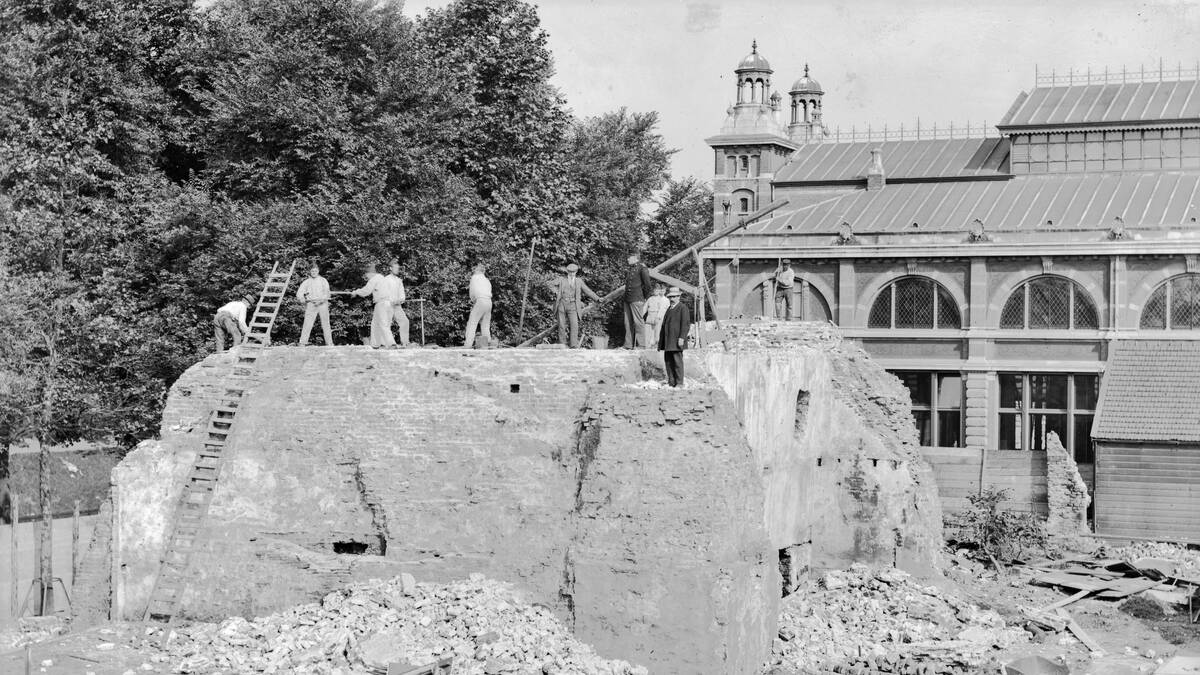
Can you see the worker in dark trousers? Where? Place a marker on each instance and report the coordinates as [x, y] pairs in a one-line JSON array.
[[637, 287], [568, 302], [672, 337]]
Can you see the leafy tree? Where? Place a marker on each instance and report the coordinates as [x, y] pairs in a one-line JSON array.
[[683, 215]]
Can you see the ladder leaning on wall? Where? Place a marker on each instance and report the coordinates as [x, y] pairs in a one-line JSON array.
[[198, 488]]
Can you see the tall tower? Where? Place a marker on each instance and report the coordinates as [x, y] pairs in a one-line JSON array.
[[752, 145], [806, 125]]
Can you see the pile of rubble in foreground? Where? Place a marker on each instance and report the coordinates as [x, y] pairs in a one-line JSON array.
[[880, 621], [480, 623]]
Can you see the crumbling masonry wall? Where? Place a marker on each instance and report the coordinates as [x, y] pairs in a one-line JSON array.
[[652, 520]]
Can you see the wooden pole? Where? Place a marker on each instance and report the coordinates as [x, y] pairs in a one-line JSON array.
[[75, 543], [742, 222], [16, 576], [45, 534], [525, 293]]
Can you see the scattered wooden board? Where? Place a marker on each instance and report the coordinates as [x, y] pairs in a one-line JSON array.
[[1086, 639], [1123, 588], [1066, 601], [1075, 581]]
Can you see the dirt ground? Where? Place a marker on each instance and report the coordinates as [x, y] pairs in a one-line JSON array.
[[1136, 637]]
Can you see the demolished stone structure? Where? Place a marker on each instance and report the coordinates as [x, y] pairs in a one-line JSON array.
[[653, 521]]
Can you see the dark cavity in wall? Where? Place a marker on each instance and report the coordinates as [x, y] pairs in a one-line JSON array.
[[350, 547], [802, 400], [585, 453], [793, 567], [378, 518]]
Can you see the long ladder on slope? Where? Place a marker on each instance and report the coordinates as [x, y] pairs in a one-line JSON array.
[[201, 481]]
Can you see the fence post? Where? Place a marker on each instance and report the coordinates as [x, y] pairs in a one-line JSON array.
[[75, 543], [16, 576]]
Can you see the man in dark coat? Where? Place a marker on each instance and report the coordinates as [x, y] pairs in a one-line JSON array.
[[672, 337], [637, 289], [568, 301]]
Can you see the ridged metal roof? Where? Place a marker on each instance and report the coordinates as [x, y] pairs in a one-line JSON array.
[[1106, 104], [1035, 202], [931, 158]]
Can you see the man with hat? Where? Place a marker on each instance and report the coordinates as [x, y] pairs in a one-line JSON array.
[[672, 337], [568, 301], [785, 278], [230, 320], [314, 293]]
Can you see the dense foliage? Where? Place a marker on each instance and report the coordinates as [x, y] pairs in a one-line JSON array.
[[157, 158]]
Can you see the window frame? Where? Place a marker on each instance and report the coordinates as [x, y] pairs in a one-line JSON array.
[[1167, 288], [1025, 412], [938, 289], [1073, 289], [934, 408]]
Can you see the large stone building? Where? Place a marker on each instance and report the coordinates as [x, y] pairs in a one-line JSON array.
[[992, 271]]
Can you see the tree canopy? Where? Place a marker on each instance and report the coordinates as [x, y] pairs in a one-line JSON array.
[[157, 158]]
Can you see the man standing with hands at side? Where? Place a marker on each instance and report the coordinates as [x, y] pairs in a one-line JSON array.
[[785, 278], [314, 293], [672, 337], [568, 301], [637, 287]]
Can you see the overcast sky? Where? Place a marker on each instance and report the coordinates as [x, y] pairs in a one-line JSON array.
[[879, 61]]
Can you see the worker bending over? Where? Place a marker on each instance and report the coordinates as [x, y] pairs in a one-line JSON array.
[[230, 320], [480, 291]]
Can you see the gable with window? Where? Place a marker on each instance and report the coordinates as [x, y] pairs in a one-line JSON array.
[[1174, 305], [1049, 302], [914, 302]]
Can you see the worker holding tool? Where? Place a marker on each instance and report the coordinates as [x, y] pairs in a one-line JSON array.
[[480, 291], [314, 293], [381, 319], [230, 320], [395, 289], [568, 301], [785, 278], [672, 337], [637, 286]]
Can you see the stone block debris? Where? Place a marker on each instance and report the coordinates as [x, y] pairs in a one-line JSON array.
[[868, 620], [482, 624]]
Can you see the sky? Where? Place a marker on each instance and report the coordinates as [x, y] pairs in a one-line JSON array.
[[879, 62]]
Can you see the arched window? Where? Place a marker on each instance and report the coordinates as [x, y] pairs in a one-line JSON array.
[[1049, 302], [808, 304], [744, 199], [914, 302], [1175, 304]]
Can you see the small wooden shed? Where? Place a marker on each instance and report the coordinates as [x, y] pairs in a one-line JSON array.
[[1147, 435]]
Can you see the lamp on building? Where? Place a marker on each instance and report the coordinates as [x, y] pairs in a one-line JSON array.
[[1117, 230], [977, 231]]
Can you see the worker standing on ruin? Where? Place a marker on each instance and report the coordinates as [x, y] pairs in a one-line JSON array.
[[656, 308], [395, 289], [637, 286], [672, 337], [480, 290], [785, 278], [568, 301], [381, 319], [314, 293], [230, 320]]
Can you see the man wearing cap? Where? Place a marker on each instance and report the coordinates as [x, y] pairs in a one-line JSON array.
[[314, 293], [394, 286], [672, 337], [568, 301], [230, 320], [785, 278], [381, 319], [637, 287]]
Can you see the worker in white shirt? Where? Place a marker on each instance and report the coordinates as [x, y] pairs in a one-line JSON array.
[[480, 290], [381, 320], [656, 309], [314, 293], [785, 278], [230, 320], [395, 288]]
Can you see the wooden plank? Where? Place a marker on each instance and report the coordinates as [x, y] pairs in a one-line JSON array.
[[1066, 601], [1086, 639], [1123, 588], [1076, 581]]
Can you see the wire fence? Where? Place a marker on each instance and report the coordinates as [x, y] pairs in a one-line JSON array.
[[1124, 76]]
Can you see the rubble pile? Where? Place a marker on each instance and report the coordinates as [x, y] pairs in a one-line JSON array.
[[1187, 560], [31, 630], [481, 624], [880, 621]]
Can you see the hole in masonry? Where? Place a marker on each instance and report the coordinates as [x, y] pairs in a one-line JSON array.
[[514, 388], [349, 547]]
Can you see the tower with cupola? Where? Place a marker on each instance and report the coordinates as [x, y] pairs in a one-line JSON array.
[[806, 125], [753, 143]]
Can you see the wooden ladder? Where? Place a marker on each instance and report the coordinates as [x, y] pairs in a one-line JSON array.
[[202, 479]]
